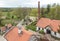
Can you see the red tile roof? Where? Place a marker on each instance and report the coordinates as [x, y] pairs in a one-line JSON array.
[[58, 21], [54, 24], [13, 35], [43, 22]]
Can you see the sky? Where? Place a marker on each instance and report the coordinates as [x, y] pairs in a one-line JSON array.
[[26, 3]]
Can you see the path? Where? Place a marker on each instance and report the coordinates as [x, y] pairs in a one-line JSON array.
[[2, 38]]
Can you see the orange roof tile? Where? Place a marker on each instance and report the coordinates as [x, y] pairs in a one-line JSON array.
[[12, 35], [58, 21], [43, 22], [54, 25]]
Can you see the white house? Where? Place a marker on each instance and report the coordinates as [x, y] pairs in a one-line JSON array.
[[49, 26]]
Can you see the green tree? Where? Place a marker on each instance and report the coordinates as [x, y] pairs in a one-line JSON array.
[[48, 8], [42, 12], [34, 12]]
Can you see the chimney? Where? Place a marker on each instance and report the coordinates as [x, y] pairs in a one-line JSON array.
[[19, 29], [38, 10]]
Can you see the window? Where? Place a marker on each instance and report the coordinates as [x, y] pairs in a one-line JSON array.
[[42, 29], [55, 33], [39, 28]]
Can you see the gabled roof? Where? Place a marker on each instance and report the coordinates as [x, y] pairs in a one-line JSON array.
[[54, 24], [13, 35], [58, 21], [43, 22]]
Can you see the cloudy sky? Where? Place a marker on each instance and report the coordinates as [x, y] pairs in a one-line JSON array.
[[26, 3]]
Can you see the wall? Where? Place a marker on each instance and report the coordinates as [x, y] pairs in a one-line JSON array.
[[37, 28], [52, 33], [57, 34], [45, 30]]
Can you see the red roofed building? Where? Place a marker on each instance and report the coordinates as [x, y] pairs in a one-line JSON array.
[[3, 29], [49, 26], [13, 35], [43, 22], [54, 25]]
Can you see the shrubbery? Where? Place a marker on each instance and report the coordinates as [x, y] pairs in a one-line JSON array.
[[32, 26], [41, 31], [3, 22]]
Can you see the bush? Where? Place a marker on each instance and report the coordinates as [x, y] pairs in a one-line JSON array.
[[3, 22], [32, 26], [41, 31]]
